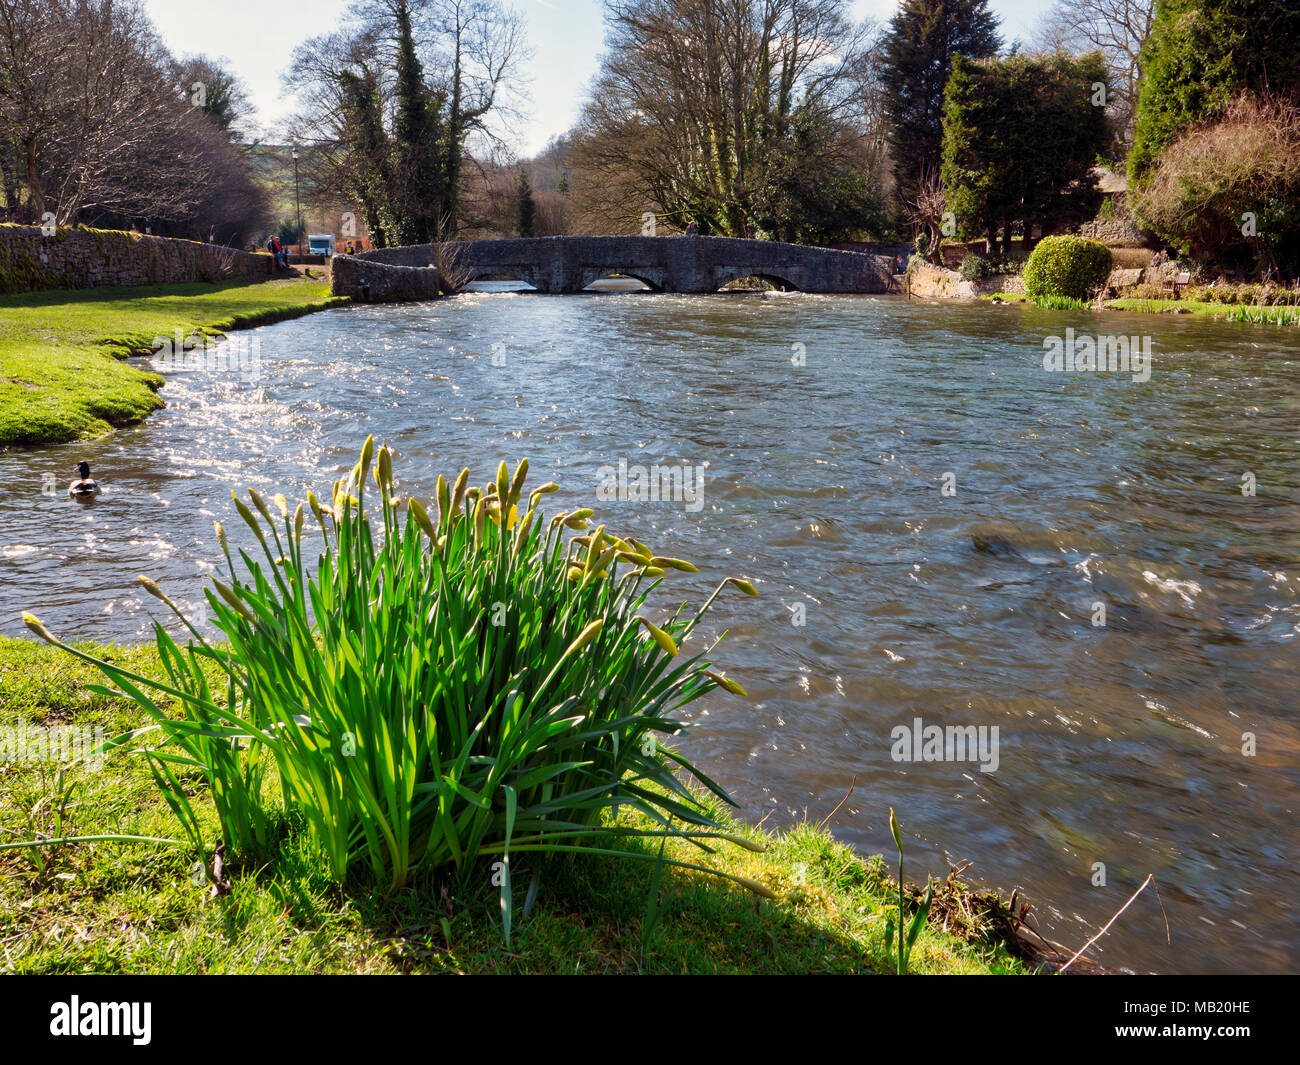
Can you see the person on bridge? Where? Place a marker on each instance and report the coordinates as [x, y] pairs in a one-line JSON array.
[[690, 228]]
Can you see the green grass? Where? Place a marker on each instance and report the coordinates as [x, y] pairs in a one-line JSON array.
[[135, 908], [1265, 315], [62, 374], [1050, 303], [1270, 315], [1062, 303]]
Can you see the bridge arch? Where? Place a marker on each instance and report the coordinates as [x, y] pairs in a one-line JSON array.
[[501, 273], [726, 275], [590, 275]]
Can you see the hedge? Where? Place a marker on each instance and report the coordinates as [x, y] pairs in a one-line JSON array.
[[1066, 266]]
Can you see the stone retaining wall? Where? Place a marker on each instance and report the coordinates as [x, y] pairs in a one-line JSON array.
[[1117, 232], [97, 258], [932, 282], [368, 281], [937, 283]]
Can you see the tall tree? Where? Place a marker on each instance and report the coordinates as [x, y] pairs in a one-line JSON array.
[[213, 88], [525, 207], [31, 91], [92, 115], [916, 58], [445, 73], [1200, 55], [363, 171], [693, 112], [1020, 137], [423, 193], [482, 44]]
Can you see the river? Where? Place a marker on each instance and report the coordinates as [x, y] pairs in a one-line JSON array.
[[935, 522]]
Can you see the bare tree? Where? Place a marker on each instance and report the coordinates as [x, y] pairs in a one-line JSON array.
[[91, 106], [344, 94], [1116, 28], [479, 44], [924, 213], [695, 96], [873, 119], [471, 52], [30, 89]]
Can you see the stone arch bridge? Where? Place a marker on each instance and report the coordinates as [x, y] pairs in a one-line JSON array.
[[665, 264]]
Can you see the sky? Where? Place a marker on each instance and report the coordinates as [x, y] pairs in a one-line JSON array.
[[258, 36]]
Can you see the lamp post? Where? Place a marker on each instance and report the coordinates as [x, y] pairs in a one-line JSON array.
[[297, 203]]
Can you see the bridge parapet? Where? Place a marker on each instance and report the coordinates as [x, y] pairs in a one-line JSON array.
[[667, 264], [381, 282]]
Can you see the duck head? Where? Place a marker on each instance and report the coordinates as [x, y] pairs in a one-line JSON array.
[[83, 468]]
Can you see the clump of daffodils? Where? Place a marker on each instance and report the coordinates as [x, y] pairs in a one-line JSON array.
[[434, 685]]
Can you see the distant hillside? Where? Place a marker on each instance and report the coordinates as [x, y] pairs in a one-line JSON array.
[[272, 167]]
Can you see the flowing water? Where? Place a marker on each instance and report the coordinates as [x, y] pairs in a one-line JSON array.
[[934, 521]]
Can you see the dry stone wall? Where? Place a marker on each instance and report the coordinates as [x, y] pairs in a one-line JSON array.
[[97, 258]]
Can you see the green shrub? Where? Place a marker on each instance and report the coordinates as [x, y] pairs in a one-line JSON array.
[[976, 268], [1066, 266], [438, 692]]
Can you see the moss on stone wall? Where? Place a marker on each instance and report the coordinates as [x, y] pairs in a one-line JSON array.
[[79, 257]]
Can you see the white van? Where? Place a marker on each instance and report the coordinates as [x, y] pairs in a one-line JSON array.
[[320, 244]]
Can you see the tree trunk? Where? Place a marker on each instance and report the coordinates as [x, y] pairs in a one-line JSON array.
[[35, 195], [455, 134]]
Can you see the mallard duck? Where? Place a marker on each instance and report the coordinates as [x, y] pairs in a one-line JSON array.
[[86, 487]]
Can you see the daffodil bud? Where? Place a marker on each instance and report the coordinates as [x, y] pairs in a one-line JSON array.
[[34, 623], [585, 637], [458, 491], [726, 683], [660, 637], [517, 482], [367, 455], [152, 588], [422, 519]]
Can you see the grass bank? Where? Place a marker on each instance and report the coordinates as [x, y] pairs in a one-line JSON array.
[[62, 374], [1264, 315], [1258, 313], [133, 908]]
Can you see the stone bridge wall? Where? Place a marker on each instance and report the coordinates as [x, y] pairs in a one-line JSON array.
[[667, 264], [97, 258], [381, 282]]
